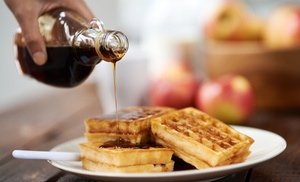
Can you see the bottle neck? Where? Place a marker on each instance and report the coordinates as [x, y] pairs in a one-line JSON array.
[[109, 45]]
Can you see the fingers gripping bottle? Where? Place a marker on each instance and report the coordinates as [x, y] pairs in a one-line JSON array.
[[74, 46]]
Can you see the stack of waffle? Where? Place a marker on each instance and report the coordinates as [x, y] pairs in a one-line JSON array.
[[132, 124], [144, 139], [124, 145]]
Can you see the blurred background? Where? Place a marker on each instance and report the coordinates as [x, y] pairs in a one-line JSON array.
[[211, 38]]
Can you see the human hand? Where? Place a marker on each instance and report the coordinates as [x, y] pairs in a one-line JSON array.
[[27, 13]]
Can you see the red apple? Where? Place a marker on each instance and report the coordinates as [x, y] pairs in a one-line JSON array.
[[283, 27], [229, 20], [229, 98], [175, 86]]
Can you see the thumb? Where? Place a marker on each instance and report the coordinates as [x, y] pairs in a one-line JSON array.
[[33, 39]]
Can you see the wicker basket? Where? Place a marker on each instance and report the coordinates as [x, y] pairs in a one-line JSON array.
[[274, 74]]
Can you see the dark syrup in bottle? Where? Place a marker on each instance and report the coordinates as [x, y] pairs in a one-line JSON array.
[[62, 68]]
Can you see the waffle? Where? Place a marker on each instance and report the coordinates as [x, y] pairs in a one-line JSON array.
[[142, 136], [133, 125], [200, 139], [140, 158]]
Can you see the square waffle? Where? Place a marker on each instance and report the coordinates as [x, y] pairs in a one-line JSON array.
[[133, 124], [126, 158], [200, 139]]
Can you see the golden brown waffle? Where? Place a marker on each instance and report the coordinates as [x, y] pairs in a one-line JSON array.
[[133, 124], [139, 158], [200, 139], [142, 136], [143, 168]]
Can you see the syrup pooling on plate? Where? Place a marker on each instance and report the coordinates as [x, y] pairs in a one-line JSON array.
[[121, 143]]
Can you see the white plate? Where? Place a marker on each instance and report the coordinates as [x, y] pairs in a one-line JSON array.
[[266, 146]]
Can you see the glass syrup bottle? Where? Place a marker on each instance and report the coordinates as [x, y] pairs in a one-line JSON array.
[[74, 46]]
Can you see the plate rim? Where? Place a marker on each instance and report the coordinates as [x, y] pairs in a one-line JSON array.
[[280, 147]]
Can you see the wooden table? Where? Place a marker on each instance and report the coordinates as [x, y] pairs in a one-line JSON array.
[[57, 118]]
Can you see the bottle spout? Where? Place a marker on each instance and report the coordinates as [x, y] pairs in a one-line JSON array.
[[112, 45]]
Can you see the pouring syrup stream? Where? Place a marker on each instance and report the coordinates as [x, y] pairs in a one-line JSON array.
[[114, 69]]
